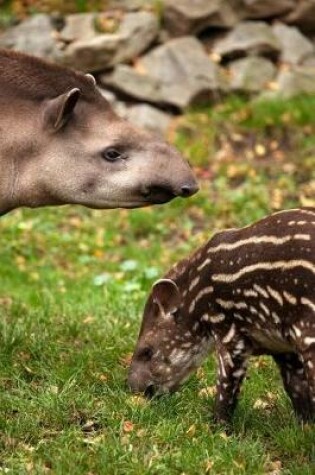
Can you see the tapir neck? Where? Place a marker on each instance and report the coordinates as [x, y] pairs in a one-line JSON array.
[[19, 183], [13, 191]]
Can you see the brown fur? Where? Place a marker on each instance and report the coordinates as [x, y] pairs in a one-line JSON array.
[[33, 78], [247, 292]]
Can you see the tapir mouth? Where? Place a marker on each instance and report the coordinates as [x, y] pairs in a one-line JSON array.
[[157, 195]]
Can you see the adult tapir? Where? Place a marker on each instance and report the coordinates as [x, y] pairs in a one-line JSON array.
[[60, 143]]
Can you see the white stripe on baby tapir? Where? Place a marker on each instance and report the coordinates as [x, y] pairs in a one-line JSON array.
[[217, 318], [229, 304], [261, 291], [258, 240], [307, 211], [250, 293], [308, 302], [264, 308], [230, 334], [300, 223], [275, 317], [204, 264], [297, 331], [192, 306], [289, 297], [261, 316], [179, 357], [275, 294], [194, 282], [204, 291], [309, 340], [283, 265]]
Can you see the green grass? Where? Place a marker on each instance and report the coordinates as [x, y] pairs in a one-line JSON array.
[[73, 285]]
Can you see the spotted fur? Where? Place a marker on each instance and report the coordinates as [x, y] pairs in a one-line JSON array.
[[248, 291]]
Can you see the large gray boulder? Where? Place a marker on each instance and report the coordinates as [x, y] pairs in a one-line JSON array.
[[35, 35], [293, 82], [295, 47], [300, 80], [78, 27], [248, 37], [94, 51], [178, 73], [133, 83], [263, 9], [149, 118], [251, 74], [192, 16]]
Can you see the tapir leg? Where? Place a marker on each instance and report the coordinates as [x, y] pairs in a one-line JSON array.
[[231, 371], [295, 383]]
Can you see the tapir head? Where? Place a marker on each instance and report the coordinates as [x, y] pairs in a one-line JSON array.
[[84, 153], [60, 143]]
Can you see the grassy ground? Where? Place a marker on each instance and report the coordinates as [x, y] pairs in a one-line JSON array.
[[73, 283]]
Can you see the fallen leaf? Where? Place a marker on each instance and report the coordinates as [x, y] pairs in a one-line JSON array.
[[128, 426], [125, 360], [209, 391], [208, 466], [260, 150], [273, 467], [138, 400], [192, 430]]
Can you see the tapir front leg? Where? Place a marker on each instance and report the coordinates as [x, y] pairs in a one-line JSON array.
[[295, 383], [231, 371]]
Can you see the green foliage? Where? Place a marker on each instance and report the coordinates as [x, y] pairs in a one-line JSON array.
[[73, 285]]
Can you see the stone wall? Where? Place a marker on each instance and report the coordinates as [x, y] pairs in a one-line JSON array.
[[155, 58]]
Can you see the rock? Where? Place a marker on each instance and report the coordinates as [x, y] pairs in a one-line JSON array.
[[94, 52], [130, 5], [192, 16], [35, 35], [309, 61], [138, 31], [295, 47], [184, 71], [249, 37], [78, 27], [262, 9], [293, 82], [251, 74], [132, 83], [146, 116], [303, 15], [178, 73]]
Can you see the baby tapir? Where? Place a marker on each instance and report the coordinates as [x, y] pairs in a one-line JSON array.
[[60, 143], [248, 291]]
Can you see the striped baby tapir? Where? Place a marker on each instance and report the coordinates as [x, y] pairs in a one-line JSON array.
[[248, 291]]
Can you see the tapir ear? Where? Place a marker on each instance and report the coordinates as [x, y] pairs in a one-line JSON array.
[[91, 78], [59, 110], [166, 294]]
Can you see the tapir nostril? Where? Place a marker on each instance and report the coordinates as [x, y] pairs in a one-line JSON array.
[[189, 190]]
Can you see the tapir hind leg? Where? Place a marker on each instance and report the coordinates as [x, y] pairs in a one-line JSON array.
[[295, 383], [303, 334]]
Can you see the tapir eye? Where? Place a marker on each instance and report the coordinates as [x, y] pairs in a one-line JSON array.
[[111, 154], [177, 316], [145, 354]]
